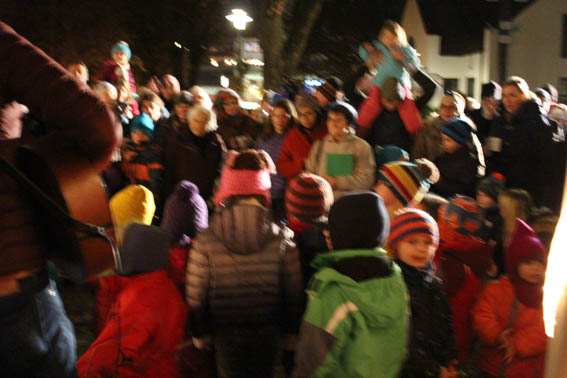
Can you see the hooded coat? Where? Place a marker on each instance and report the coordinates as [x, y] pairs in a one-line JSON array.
[[356, 320]]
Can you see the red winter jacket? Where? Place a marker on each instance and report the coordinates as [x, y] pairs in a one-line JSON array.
[[372, 107], [145, 325], [295, 149], [491, 316], [109, 73]]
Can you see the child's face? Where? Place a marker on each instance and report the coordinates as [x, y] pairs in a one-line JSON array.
[[152, 109], [337, 125], [449, 144], [120, 57], [390, 200], [532, 271], [416, 251], [139, 137], [307, 117], [484, 200], [389, 39]]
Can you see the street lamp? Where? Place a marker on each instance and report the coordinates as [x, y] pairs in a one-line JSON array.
[[239, 19]]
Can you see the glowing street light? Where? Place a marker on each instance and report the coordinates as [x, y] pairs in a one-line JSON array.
[[239, 19], [224, 81]]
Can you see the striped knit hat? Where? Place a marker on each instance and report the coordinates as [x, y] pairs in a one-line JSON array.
[[405, 180], [412, 222], [460, 217], [308, 197], [459, 130]]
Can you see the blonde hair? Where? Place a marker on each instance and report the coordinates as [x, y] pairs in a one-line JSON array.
[[207, 103], [519, 83], [396, 29], [200, 109]]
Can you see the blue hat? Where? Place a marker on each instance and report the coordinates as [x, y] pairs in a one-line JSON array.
[[388, 154], [143, 123], [121, 46], [459, 130]]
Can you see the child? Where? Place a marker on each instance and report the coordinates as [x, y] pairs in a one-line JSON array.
[[514, 203], [146, 321], [508, 316], [356, 320], [282, 118], [119, 67], [487, 191], [403, 184], [341, 158], [299, 139], [243, 275], [413, 239], [123, 107], [388, 56], [462, 260], [458, 165], [141, 157], [184, 216], [308, 199]]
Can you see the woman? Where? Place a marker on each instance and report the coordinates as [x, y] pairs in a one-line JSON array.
[[201, 97], [281, 119], [237, 129], [520, 139], [299, 139], [193, 153]]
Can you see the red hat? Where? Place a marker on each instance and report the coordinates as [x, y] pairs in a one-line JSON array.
[[524, 245]]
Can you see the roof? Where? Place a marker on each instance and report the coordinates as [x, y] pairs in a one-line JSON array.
[[461, 23]]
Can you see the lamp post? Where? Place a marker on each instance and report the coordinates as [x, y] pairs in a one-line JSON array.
[[239, 19]]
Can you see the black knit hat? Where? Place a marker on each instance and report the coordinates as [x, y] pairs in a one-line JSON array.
[[359, 221], [492, 90]]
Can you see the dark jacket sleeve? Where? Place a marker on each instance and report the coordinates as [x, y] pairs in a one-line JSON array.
[[71, 109], [427, 84]]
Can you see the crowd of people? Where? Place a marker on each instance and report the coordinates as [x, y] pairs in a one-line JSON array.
[[336, 232]]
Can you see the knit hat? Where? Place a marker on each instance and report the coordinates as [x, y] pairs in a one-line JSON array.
[[491, 185], [134, 203], [244, 181], [308, 197], [406, 180], [393, 90], [144, 249], [459, 218], [342, 107], [388, 154], [492, 90], [121, 46], [359, 221], [524, 245], [184, 97], [412, 222], [185, 211], [331, 88], [553, 93], [459, 130], [144, 123]]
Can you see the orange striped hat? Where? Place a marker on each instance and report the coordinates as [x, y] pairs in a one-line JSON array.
[[405, 180], [412, 222]]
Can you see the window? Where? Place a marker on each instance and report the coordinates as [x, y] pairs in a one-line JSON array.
[[451, 84], [562, 89], [564, 37], [470, 86]]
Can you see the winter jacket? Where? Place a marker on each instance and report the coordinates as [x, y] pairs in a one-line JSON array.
[[145, 167], [491, 316], [364, 165], [273, 146], [145, 325], [428, 141], [356, 320], [111, 71], [188, 157], [239, 132], [482, 124], [432, 337], [296, 147], [458, 173], [526, 139], [310, 242], [75, 116], [242, 272]]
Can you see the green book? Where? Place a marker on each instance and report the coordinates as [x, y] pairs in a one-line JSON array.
[[340, 164]]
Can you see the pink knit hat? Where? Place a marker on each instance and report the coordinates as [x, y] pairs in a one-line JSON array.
[[244, 181]]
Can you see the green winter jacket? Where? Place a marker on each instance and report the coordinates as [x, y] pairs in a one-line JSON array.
[[356, 321]]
